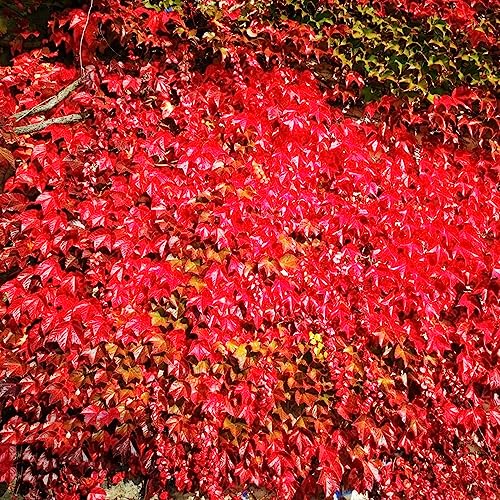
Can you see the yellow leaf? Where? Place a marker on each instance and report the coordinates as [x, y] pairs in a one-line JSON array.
[[241, 355], [158, 320], [109, 393], [159, 344], [432, 360], [197, 283], [201, 367], [174, 410], [289, 261], [268, 265], [131, 373], [234, 429], [217, 256], [288, 368], [244, 193], [192, 267], [135, 373], [111, 349], [224, 53], [167, 108], [4, 26], [286, 242], [386, 383], [300, 423], [358, 452], [255, 346], [179, 325], [399, 353], [269, 424], [77, 377], [273, 345], [124, 373], [282, 414], [175, 263], [349, 350], [231, 345]]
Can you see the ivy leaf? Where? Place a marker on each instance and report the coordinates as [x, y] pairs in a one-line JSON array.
[[67, 334], [288, 262]]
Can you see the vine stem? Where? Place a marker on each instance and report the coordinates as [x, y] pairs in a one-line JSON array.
[[82, 69]]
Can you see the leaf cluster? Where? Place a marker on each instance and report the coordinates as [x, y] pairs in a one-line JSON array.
[[221, 279], [398, 54]]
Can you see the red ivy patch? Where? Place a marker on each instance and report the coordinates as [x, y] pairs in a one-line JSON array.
[[218, 279]]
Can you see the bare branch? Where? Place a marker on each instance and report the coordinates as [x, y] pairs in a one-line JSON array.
[[51, 102], [35, 127]]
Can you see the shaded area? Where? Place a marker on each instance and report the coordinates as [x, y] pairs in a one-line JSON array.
[[23, 25]]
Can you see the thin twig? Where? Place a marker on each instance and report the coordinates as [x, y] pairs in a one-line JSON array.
[[82, 70], [101, 34], [51, 102], [35, 127]]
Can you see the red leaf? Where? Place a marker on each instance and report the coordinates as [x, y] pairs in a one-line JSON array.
[[97, 494], [7, 468], [67, 335], [49, 270], [91, 413], [199, 350], [329, 479], [437, 342]]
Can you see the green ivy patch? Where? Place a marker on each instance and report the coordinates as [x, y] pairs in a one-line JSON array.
[[399, 55]]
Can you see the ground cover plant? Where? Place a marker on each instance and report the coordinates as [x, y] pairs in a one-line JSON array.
[[264, 251]]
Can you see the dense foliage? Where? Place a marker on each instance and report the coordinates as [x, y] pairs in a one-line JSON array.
[[23, 24], [269, 255]]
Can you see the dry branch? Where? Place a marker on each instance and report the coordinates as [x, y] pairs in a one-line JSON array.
[[51, 102], [35, 127]]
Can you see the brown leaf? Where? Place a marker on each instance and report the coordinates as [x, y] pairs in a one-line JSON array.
[[7, 166]]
